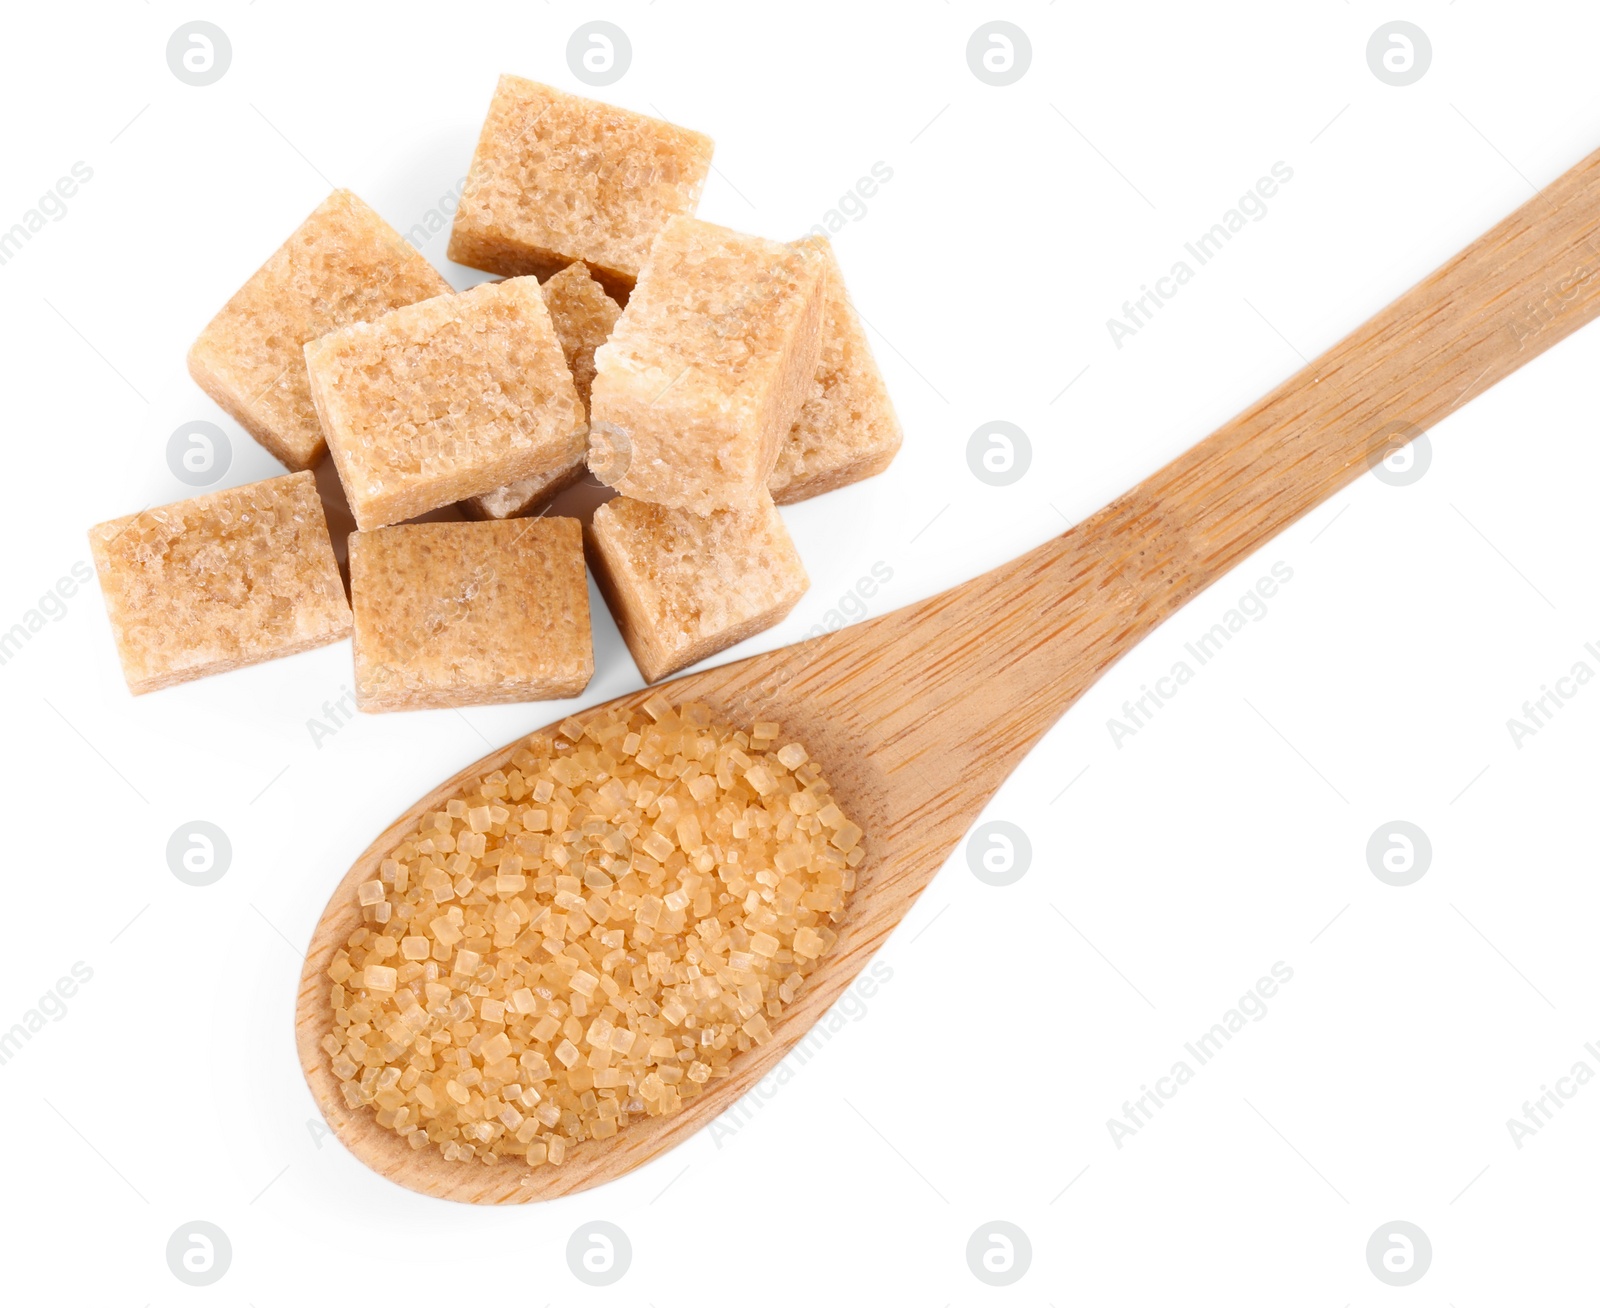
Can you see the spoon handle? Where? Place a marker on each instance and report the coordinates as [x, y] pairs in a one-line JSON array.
[[1509, 296], [1030, 637]]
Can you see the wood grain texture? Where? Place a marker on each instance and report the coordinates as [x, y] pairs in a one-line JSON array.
[[916, 717]]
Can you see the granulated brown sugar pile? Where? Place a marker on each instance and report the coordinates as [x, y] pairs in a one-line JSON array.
[[589, 936]]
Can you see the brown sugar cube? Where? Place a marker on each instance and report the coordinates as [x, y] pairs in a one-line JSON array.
[[455, 613], [344, 264], [847, 430], [220, 581], [583, 316], [682, 586], [519, 498], [444, 400], [707, 368], [556, 177]]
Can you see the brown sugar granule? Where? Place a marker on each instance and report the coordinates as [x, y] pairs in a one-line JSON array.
[[683, 586], [556, 177], [455, 613], [589, 936], [583, 316], [220, 581], [707, 369], [344, 264], [446, 399], [847, 429]]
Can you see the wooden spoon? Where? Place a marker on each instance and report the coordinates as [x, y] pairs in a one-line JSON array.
[[916, 717]]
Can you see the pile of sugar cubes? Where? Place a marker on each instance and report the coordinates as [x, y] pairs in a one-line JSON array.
[[704, 374]]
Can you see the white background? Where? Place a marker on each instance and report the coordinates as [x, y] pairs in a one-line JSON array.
[[1226, 836]]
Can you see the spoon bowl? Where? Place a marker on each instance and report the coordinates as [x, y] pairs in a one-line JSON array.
[[858, 788]]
